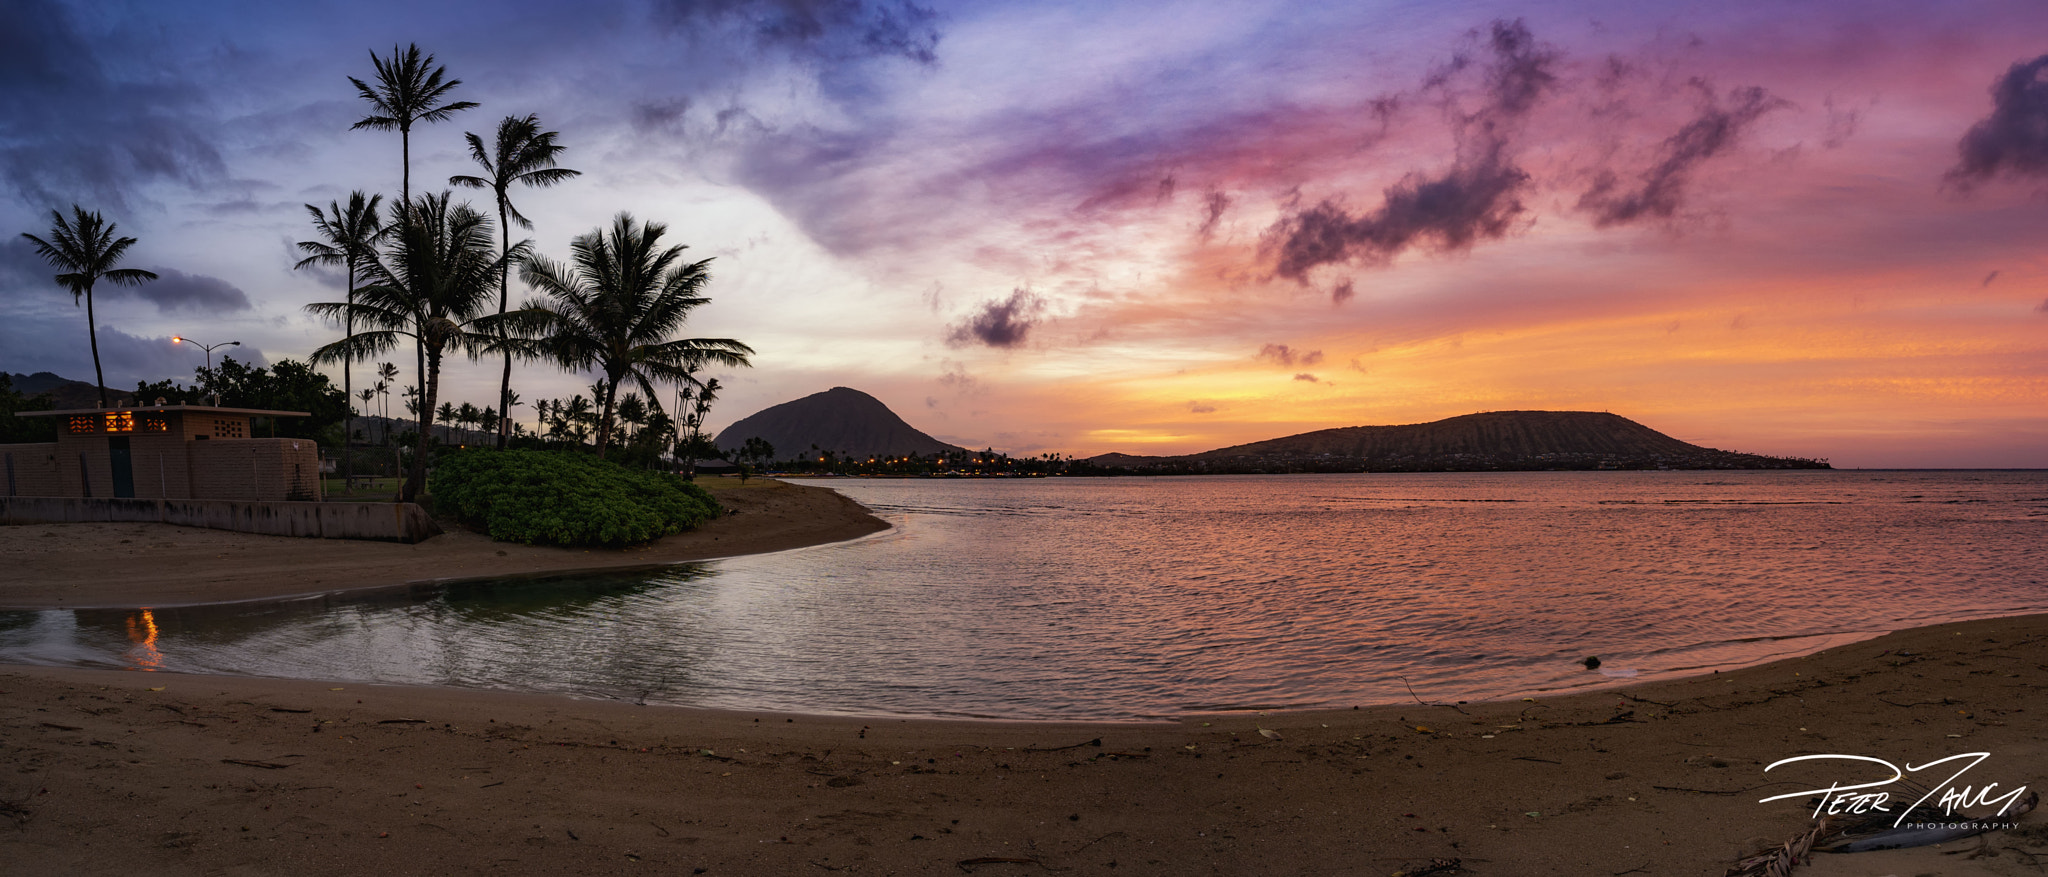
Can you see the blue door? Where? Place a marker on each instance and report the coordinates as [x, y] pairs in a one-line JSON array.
[[124, 469]]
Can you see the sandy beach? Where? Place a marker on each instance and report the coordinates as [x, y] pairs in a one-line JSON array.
[[119, 772]]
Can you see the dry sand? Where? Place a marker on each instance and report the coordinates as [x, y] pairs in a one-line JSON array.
[[116, 772]]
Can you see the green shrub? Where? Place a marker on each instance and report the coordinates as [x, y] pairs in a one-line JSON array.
[[565, 498]]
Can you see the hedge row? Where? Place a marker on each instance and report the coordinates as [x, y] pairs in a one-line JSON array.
[[565, 498]]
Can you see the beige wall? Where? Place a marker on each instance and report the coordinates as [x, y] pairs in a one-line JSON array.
[[270, 470], [35, 469], [169, 466]]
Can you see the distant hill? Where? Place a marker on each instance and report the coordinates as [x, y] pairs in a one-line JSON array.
[[67, 392], [848, 422], [1497, 440]]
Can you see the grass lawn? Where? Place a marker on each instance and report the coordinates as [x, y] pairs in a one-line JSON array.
[[367, 490]]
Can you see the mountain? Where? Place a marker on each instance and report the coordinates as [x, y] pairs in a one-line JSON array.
[[847, 422], [67, 393], [1496, 440]]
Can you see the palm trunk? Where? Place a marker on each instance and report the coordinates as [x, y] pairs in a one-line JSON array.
[[92, 331], [348, 418], [417, 472], [504, 295], [604, 423], [405, 171], [432, 369]]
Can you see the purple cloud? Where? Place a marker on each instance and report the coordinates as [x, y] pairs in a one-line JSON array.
[[1478, 197], [1661, 189], [2014, 138], [1281, 354], [1000, 322]]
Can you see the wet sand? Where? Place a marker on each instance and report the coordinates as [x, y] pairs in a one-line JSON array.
[[119, 772]]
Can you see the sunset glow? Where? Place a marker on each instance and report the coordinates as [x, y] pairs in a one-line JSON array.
[[1150, 227]]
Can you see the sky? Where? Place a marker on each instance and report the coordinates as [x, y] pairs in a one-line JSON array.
[[1813, 228]]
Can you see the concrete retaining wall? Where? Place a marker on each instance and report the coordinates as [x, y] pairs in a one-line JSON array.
[[379, 521]]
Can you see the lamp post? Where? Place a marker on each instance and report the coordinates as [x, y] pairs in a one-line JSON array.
[[178, 339]]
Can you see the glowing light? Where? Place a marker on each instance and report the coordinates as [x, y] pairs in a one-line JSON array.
[[142, 632]]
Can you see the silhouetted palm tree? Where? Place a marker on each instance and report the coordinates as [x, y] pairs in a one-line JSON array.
[[366, 394], [387, 377], [85, 249], [522, 154], [407, 92], [618, 309], [433, 284], [468, 416], [350, 238]]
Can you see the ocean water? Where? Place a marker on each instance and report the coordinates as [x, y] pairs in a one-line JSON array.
[[1141, 598]]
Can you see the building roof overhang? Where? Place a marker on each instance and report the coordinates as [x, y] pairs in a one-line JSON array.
[[206, 409]]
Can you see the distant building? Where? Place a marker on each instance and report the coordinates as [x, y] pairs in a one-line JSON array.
[[162, 452]]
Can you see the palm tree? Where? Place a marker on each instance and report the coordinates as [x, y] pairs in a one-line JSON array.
[[633, 413], [366, 394], [447, 414], [387, 377], [505, 416], [523, 154], [617, 310], [432, 284], [406, 92], [468, 416], [574, 417], [85, 249], [350, 237], [383, 391]]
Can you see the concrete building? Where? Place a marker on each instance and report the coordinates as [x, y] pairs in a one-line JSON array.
[[162, 452]]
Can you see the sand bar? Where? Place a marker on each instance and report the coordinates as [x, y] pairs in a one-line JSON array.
[[112, 772], [80, 566]]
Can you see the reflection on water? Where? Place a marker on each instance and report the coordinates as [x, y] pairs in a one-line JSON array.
[[1128, 598], [142, 632]]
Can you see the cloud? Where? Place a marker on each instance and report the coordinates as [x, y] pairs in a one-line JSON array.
[[1214, 204], [1661, 189], [1000, 322], [2013, 140], [1199, 407], [1281, 354], [76, 131], [1477, 198], [1357, 366], [954, 375], [1342, 292], [174, 290], [48, 343], [1305, 376], [661, 115], [829, 29], [1987, 280]]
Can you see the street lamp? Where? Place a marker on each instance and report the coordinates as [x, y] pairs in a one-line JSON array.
[[176, 339]]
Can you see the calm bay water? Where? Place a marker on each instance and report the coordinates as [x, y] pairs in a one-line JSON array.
[[1137, 598]]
